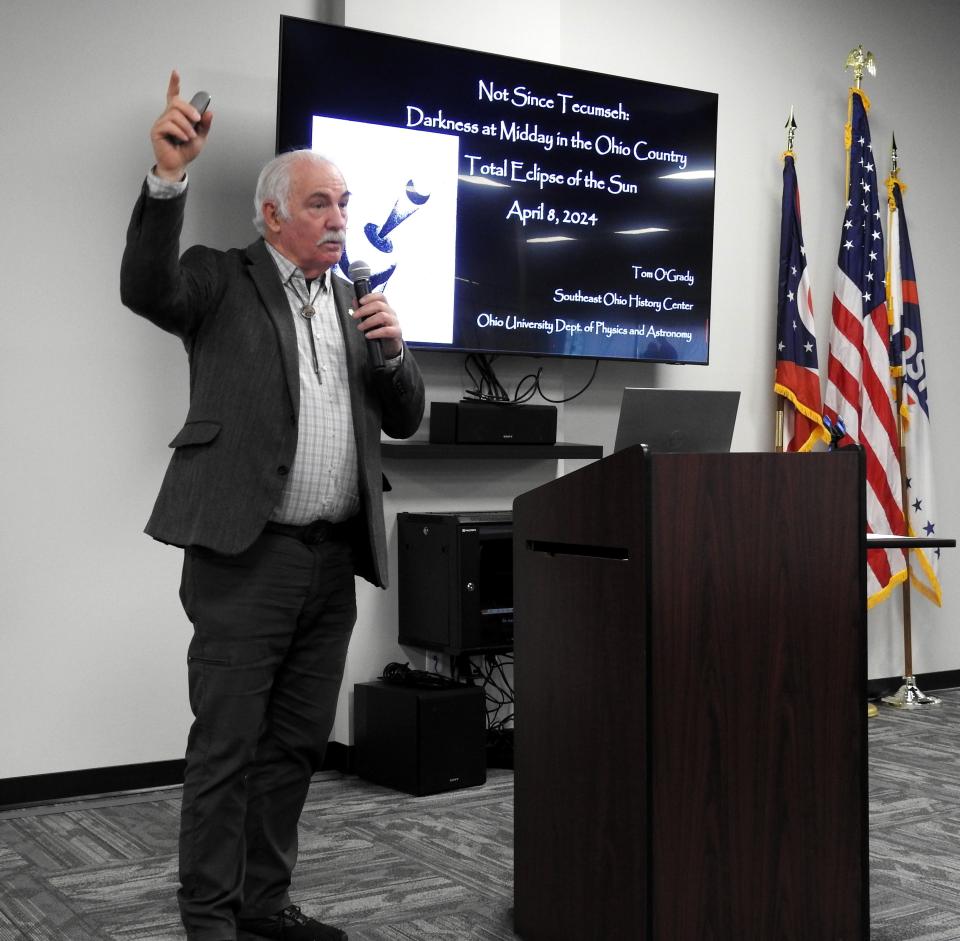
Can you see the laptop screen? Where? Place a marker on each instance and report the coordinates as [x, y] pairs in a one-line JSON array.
[[677, 420]]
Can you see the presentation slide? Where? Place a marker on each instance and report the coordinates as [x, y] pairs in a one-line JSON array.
[[512, 206]]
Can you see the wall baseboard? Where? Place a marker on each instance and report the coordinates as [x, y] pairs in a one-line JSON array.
[[73, 785], [76, 785], [928, 682]]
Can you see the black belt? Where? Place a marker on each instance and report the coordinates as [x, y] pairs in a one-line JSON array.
[[312, 533]]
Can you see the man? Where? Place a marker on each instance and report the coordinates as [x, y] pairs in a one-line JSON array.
[[274, 490]]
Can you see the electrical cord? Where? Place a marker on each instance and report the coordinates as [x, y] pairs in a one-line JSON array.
[[490, 675], [400, 674], [488, 388]]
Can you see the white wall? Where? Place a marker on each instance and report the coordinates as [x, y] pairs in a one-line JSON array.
[[92, 638]]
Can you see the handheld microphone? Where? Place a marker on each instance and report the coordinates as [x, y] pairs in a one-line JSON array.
[[359, 273]]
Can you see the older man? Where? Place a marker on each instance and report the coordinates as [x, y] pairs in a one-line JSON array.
[[274, 491]]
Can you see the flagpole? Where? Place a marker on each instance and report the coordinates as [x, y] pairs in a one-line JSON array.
[[905, 596], [859, 61], [791, 127], [908, 696]]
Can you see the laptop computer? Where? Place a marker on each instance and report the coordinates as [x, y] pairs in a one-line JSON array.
[[677, 420]]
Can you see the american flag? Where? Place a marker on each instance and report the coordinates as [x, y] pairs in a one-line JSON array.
[[908, 360], [797, 376], [858, 374]]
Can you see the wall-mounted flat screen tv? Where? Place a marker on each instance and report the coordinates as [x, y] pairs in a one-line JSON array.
[[509, 206]]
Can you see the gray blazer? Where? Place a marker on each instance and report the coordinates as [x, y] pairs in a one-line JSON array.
[[231, 456]]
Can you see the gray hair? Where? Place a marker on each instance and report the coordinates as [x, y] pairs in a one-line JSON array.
[[273, 185]]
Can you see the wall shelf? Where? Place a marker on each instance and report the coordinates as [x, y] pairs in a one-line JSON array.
[[425, 450]]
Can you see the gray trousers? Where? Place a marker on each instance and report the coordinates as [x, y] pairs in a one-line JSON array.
[[271, 631]]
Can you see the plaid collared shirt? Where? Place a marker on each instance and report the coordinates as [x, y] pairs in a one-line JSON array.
[[323, 481]]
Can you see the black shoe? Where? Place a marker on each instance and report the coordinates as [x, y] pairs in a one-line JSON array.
[[288, 925]]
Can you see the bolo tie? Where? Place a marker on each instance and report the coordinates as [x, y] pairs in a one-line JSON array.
[[308, 312]]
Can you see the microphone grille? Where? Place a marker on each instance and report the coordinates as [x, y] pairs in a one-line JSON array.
[[359, 270]]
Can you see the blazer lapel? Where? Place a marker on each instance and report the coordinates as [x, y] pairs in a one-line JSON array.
[[356, 351], [266, 278], [352, 338]]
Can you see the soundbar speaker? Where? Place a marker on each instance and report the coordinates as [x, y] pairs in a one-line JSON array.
[[492, 423]]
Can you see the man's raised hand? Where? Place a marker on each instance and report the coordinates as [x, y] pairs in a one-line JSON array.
[[179, 134]]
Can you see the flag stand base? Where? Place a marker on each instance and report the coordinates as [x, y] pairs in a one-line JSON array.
[[910, 697]]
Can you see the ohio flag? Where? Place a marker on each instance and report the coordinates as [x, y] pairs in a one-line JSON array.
[[908, 361], [797, 377]]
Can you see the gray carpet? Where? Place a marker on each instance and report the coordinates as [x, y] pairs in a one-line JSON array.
[[915, 822], [390, 867]]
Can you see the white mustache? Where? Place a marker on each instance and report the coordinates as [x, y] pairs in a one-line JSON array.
[[339, 237]]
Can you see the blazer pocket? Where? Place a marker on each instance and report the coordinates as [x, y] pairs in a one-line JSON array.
[[196, 432]]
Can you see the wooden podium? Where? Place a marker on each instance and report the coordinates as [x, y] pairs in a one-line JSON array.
[[690, 677]]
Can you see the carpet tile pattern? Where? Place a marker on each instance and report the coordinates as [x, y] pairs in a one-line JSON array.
[[391, 867], [915, 822]]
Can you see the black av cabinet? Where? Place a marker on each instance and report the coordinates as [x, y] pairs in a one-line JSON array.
[[455, 581], [421, 741]]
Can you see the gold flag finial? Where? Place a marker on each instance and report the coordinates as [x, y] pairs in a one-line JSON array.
[[858, 60], [791, 127]]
